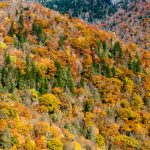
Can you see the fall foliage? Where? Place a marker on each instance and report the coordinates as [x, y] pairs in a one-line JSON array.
[[65, 84]]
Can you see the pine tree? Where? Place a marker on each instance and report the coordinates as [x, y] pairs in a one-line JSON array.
[[7, 74], [104, 46], [11, 31], [116, 52], [113, 70], [87, 106], [60, 77], [81, 83], [21, 23], [43, 86], [20, 81], [70, 82], [90, 134]]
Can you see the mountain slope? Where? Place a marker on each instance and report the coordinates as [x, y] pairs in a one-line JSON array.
[[65, 84], [129, 19], [89, 10], [131, 22]]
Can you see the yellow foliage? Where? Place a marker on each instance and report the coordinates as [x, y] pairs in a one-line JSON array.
[[46, 68], [100, 141], [129, 85], [76, 146], [9, 39], [3, 125], [34, 94], [126, 141], [41, 129], [3, 45], [57, 90], [137, 101], [55, 144], [49, 101], [3, 4], [29, 144], [68, 134], [88, 60]]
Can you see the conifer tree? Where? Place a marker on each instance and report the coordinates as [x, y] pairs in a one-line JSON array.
[[60, 76], [70, 82], [11, 31], [21, 22]]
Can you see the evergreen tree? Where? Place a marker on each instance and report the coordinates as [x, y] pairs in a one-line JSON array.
[[60, 77], [116, 52], [81, 83], [70, 82], [7, 74], [21, 38], [87, 106], [43, 85], [61, 42], [20, 81], [113, 70], [104, 46], [11, 31], [90, 134], [96, 67], [21, 22], [38, 31]]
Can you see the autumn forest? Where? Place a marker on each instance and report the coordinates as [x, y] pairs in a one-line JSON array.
[[69, 85]]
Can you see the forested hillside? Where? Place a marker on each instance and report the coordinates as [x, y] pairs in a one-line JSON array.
[[88, 10], [129, 19], [132, 22], [67, 85]]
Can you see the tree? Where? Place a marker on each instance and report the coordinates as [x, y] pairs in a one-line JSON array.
[[50, 102], [11, 31], [54, 144], [61, 76], [70, 82], [21, 23], [7, 74], [116, 52]]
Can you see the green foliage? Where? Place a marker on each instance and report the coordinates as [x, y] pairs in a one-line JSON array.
[[88, 105], [135, 65], [11, 31], [116, 52], [38, 31], [60, 76], [70, 81], [5, 139], [7, 74], [21, 22], [105, 70], [96, 9], [90, 134], [61, 41]]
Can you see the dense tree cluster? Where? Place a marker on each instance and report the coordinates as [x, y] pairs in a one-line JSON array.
[[65, 84]]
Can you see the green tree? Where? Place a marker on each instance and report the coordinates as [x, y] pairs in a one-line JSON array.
[[11, 31], [70, 82], [61, 76]]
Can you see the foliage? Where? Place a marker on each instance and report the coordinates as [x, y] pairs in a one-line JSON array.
[[68, 84], [50, 102], [54, 143]]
